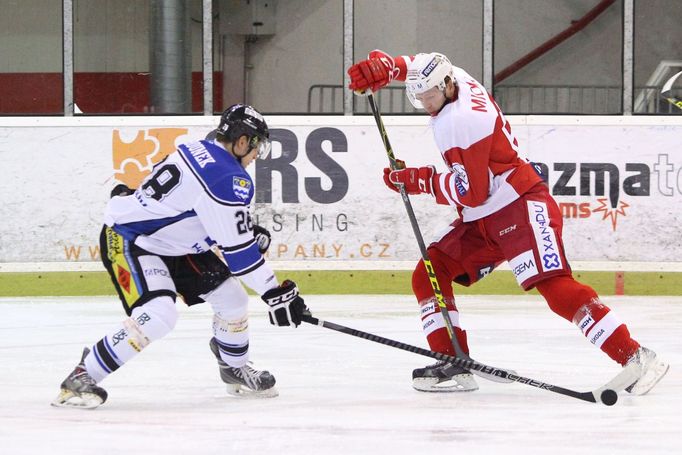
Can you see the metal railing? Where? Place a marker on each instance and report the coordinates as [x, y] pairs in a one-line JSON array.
[[513, 99], [653, 103], [574, 99], [567, 99], [328, 99], [645, 100]]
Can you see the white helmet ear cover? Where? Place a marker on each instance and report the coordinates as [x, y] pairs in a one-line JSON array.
[[425, 72]]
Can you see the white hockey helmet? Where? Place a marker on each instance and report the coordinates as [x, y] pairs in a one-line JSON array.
[[425, 72]]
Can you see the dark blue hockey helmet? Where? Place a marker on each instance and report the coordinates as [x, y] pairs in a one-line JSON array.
[[243, 120]]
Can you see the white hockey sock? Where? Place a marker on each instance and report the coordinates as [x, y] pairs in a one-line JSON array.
[[233, 339], [147, 323], [231, 321]]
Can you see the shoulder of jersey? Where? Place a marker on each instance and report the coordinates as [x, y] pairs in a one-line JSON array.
[[473, 98], [218, 172]]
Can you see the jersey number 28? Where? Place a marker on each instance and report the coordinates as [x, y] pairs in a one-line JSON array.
[[244, 222], [164, 180]]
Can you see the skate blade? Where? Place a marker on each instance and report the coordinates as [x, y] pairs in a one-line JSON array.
[[67, 399], [458, 383], [645, 384], [237, 390]]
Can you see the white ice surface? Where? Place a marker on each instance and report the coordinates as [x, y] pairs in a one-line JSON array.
[[338, 394]]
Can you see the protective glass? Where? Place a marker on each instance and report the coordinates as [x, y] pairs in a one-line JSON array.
[[263, 146]]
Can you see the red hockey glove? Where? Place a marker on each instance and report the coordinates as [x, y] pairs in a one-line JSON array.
[[399, 164], [375, 72], [415, 180]]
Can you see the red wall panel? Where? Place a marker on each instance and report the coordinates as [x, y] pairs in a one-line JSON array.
[[94, 93]]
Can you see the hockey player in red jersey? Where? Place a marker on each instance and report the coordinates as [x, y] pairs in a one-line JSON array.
[[506, 214], [158, 242]]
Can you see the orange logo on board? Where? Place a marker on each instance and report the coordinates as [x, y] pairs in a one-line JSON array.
[[134, 160], [609, 213]]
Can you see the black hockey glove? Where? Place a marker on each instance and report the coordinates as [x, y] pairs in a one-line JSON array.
[[262, 236], [286, 306], [121, 190]]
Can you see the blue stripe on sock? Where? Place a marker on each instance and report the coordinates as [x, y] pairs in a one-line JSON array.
[[111, 351], [234, 350], [101, 364], [106, 357]]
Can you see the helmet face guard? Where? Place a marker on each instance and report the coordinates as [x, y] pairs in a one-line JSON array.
[[263, 146], [427, 73], [427, 100]]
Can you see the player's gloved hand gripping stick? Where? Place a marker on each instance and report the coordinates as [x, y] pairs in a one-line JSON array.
[[286, 306]]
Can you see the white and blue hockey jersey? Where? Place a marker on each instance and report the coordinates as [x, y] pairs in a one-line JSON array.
[[199, 196]]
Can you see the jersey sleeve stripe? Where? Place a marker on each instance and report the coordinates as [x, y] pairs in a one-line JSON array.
[[243, 259], [248, 269], [148, 227], [237, 248], [446, 184]]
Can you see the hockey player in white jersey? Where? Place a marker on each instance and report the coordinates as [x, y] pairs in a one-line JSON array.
[[156, 244]]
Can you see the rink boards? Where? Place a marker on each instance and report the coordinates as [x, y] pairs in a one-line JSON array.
[[617, 180]]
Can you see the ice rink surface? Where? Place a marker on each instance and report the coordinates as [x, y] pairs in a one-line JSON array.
[[338, 394]]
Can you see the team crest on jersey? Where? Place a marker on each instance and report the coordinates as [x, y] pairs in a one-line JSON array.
[[461, 179], [241, 187]]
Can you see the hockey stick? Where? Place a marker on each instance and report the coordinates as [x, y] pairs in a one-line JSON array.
[[666, 91], [417, 233], [606, 394]]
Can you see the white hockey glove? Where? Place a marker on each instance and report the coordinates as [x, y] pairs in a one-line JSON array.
[[286, 306], [262, 236]]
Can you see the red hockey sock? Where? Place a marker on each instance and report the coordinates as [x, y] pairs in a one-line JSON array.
[[435, 329], [432, 321], [579, 304]]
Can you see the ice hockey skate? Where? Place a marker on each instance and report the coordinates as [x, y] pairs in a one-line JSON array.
[[652, 371], [244, 381], [79, 390], [443, 377]]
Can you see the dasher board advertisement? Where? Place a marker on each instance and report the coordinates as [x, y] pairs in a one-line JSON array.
[[321, 193]]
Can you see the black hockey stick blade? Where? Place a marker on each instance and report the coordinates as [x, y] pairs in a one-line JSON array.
[[606, 394]]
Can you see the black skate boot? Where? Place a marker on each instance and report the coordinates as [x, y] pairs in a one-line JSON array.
[[79, 390], [443, 377], [242, 381], [652, 370]]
